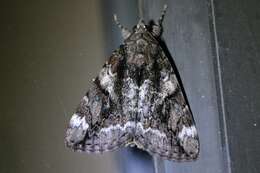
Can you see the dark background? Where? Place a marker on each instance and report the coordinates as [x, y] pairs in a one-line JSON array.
[[50, 51]]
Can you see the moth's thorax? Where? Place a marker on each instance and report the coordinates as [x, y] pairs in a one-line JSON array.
[[141, 47]]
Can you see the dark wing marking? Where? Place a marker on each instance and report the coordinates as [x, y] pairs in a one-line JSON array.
[[166, 127], [99, 123]]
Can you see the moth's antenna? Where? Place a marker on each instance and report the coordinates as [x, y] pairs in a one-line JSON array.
[[141, 9], [125, 31], [162, 15], [117, 22], [157, 27]]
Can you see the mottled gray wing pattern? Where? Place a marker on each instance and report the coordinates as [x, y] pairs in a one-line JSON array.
[[136, 99], [99, 123], [166, 127]]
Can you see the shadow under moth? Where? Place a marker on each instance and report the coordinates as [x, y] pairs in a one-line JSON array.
[[136, 100]]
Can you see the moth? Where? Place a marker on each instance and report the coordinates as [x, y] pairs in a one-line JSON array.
[[136, 100]]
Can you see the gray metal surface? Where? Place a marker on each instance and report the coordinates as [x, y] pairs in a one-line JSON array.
[[238, 26]]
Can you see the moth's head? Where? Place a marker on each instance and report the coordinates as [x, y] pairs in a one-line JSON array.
[[140, 27], [155, 28]]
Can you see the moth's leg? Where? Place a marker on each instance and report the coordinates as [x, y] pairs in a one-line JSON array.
[[125, 32]]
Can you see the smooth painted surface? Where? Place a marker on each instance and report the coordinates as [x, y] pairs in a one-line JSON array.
[[50, 51], [238, 26]]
